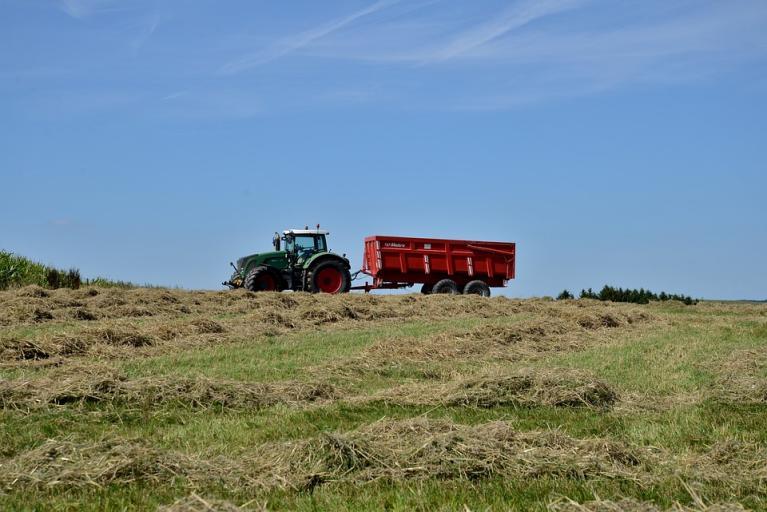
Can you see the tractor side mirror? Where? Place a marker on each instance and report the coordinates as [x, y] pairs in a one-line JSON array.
[[276, 242]]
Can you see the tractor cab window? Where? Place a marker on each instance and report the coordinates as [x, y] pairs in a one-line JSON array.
[[299, 244], [305, 244]]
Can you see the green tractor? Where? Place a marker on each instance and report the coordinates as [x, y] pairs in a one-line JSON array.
[[305, 264]]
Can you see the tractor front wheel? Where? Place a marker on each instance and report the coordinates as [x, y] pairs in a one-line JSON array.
[[330, 277], [261, 279]]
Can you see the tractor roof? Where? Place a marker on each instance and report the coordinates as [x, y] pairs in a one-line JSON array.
[[305, 232]]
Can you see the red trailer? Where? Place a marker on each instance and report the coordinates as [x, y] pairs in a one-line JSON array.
[[443, 266]]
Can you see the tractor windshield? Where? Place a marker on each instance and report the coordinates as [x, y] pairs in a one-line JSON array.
[[302, 244]]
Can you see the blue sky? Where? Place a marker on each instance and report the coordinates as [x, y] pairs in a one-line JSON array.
[[620, 141]]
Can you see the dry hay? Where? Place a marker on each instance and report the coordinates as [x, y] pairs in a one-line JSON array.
[[33, 304], [419, 449], [632, 505], [738, 464], [50, 343], [526, 387], [108, 338], [742, 377], [555, 328], [195, 503], [186, 328], [103, 385], [394, 450], [70, 464], [117, 323], [32, 291], [637, 402], [755, 311], [422, 448], [507, 342], [84, 315], [524, 340], [301, 310]]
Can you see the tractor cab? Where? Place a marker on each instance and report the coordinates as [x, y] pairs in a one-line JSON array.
[[301, 244]]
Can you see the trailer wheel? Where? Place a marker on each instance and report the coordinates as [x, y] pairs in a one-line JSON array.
[[330, 277], [262, 279], [477, 288], [426, 288], [445, 286]]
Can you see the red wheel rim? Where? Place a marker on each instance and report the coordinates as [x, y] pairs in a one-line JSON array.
[[329, 280], [265, 283]]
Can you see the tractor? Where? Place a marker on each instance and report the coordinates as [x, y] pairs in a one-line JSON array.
[[305, 264]]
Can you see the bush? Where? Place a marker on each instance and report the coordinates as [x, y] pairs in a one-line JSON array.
[[565, 295]]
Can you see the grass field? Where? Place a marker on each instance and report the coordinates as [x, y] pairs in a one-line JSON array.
[[117, 399]]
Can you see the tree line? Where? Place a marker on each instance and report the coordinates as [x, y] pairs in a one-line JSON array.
[[640, 296]]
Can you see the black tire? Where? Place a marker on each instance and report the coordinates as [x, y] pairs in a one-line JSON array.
[[322, 277], [445, 286], [263, 279], [477, 288], [426, 288]]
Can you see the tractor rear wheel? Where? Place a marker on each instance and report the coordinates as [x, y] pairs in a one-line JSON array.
[[330, 277], [445, 286], [262, 279], [477, 288]]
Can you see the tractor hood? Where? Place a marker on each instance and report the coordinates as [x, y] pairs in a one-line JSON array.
[[277, 260], [260, 258], [244, 259]]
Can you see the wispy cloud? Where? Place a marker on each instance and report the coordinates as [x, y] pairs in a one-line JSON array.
[[76, 8], [175, 94], [424, 54], [301, 40], [80, 9], [145, 32], [512, 18], [520, 56], [210, 103]]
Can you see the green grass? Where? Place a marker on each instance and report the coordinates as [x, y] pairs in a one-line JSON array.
[[266, 359], [272, 358], [675, 361], [493, 494]]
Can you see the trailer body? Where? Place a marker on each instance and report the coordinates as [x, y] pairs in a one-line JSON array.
[[397, 261]]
